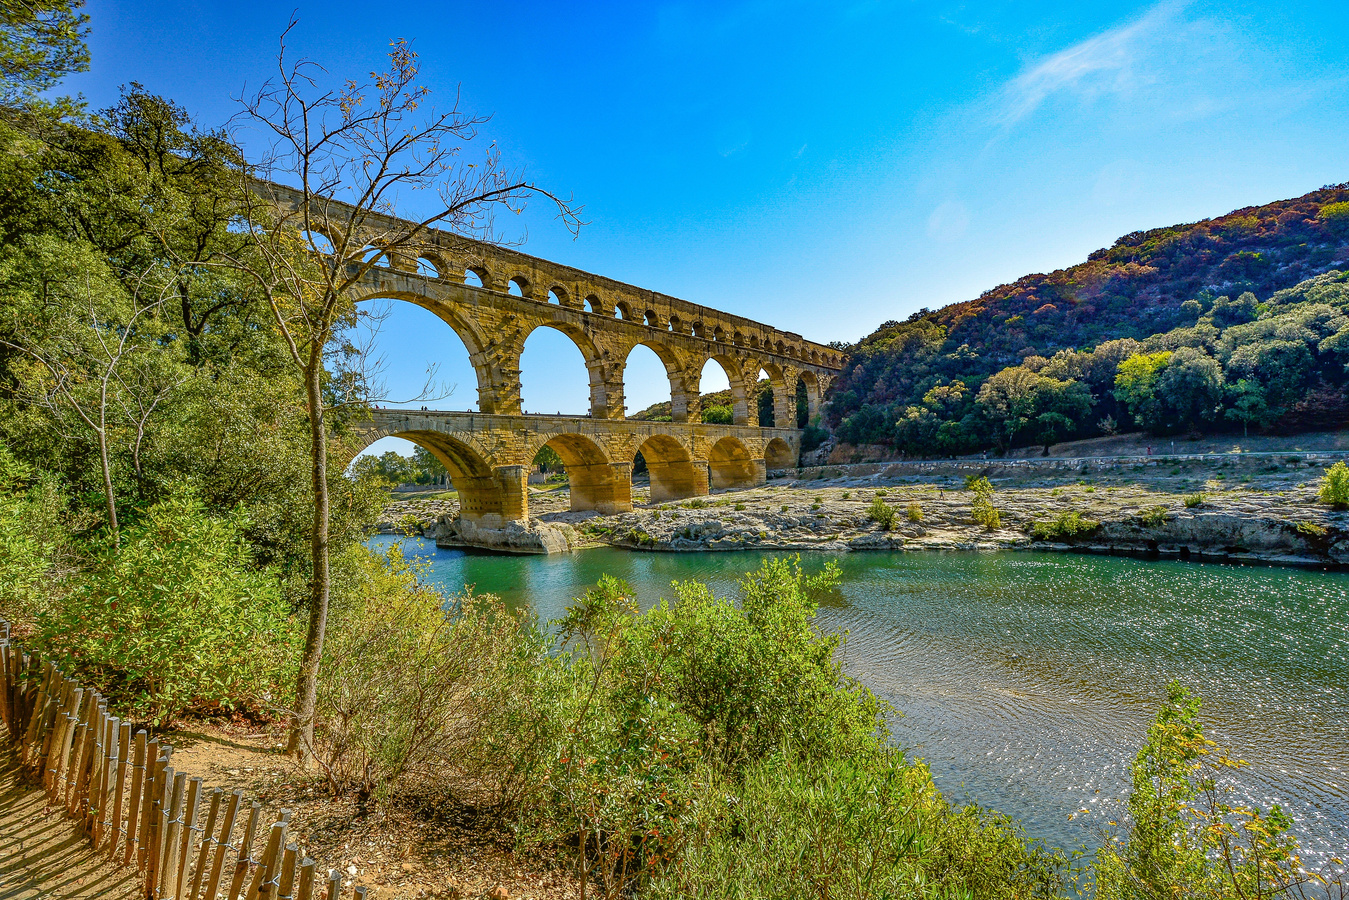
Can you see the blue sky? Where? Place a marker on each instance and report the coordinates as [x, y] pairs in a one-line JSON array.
[[820, 166]]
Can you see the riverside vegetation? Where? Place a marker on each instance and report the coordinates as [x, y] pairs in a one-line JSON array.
[[170, 533]]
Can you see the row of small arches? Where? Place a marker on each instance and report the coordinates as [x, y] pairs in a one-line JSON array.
[[519, 286]]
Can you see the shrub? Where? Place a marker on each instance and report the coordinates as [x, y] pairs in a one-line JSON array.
[[36, 552], [1310, 529], [178, 619], [915, 512], [846, 828], [718, 415], [982, 511], [696, 504], [845, 495], [882, 513], [1153, 516], [740, 507], [663, 705], [416, 690], [1335, 486], [1068, 524], [979, 484], [1193, 500], [1186, 838]]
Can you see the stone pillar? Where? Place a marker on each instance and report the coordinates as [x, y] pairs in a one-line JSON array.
[[606, 395], [686, 401], [499, 394], [740, 411], [675, 480], [490, 501], [701, 479], [784, 401], [759, 475], [513, 483], [603, 487]]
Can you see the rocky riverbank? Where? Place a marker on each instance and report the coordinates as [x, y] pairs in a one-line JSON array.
[[1198, 508]]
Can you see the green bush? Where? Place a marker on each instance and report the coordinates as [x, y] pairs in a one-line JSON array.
[[844, 828], [1310, 529], [1068, 524], [718, 415], [37, 553], [915, 512], [690, 693], [882, 513], [1335, 486], [177, 619], [1153, 516], [982, 510], [416, 690], [1193, 500]]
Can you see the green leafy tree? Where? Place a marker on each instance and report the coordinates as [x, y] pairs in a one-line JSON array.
[[88, 353], [41, 42], [718, 415], [547, 460], [1248, 405], [1335, 486], [1136, 384], [1190, 389]]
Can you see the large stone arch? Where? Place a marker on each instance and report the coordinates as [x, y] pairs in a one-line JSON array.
[[601, 399], [492, 378], [814, 393], [670, 358], [731, 364], [784, 399], [674, 475], [778, 454], [731, 465], [488, 495], [597, 482]]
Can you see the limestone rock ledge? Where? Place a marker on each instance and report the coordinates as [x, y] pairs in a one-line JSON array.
[[508, 537]]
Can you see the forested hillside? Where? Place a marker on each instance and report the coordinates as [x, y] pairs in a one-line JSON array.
[[1230, 323]]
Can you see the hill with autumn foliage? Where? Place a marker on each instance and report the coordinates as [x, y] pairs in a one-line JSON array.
[[1161, 331]]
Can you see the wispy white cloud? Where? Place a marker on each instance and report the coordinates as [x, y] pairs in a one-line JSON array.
[[1107, 62]]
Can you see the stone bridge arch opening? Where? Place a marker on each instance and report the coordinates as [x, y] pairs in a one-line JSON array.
[[779, 455], [722, 372], [596, 483], [560, 372], [461, 379], [650, 376], [672, 471], [730, 465], [485, 498]]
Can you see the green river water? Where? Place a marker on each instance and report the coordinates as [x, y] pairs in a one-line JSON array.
[[1027, 680]]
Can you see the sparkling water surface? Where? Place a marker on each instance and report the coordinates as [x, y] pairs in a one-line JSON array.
[[1027, 680]]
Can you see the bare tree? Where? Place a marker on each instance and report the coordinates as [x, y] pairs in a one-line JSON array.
[[350, 156]]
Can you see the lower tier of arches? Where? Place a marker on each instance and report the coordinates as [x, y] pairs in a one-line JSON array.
[[489, 458]]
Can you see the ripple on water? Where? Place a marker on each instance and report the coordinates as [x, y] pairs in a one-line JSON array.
[[1027, 681]]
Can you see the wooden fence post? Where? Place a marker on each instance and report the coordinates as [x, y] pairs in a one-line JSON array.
[[223, 846], [133, 839]]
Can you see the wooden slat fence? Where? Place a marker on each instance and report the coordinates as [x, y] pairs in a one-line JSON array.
[[131, 804]]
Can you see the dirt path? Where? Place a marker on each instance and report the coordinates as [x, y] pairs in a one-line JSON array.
[[42, 857]]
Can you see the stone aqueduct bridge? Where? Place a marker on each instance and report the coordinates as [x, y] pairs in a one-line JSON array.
[[489, 453]]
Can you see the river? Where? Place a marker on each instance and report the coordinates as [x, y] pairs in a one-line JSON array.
[[1027, 680]]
